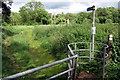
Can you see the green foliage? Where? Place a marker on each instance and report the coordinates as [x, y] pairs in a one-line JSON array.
[[113, 71], [107, 13], [36, 15], [108, 21], [15, 18], [116, 51], [6, 17], [4, 24], [31, 47], [81, 16], [42, 16], [33, 13], [59, 19], [86, 20], [57, 38], [33, 4], [27, 53]]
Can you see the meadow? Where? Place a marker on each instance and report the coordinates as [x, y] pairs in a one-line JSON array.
[[27, 47]]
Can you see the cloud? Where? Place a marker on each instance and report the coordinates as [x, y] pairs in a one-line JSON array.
[[108, 4], [56, 5], [16, 5], [71, 6], [75, 6], [78, 1], [65, 7]]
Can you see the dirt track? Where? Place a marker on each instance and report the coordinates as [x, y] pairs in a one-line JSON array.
[[85, 75]]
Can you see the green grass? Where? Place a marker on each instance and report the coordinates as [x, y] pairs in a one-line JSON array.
[[33, 46]]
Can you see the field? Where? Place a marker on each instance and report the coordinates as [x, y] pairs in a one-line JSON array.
[[27, 47]]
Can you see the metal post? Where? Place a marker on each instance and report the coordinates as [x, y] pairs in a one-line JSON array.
[[40, 68], [103, 76], [70, 67], [74, 68], [90, 52], [93, 33], [75, 48]]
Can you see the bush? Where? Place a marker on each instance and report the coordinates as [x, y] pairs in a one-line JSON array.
[[4, 24], [108, 21], [33, 47]]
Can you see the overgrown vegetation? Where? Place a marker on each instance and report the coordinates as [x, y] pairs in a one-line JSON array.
[[27, 47], [35, 46]]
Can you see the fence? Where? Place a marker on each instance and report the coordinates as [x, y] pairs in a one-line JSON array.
[[75, 51], [72, 69], [79, 48]]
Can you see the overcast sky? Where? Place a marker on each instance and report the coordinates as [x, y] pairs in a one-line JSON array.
[[67, 6]]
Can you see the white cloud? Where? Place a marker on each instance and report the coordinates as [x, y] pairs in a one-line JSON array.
[[15, 6], [77, 7], [56, 1], [71, 6], [78, 0]]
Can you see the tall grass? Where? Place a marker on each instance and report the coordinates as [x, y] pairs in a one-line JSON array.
[[35, 46]]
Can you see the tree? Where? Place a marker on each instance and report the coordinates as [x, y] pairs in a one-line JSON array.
[[81, 16], [33, 13], [24, 12], [42, 16], [15, 18], [34, 5], [107, 13], [115, 16], [102, 14], [6, 10], [71, 17]]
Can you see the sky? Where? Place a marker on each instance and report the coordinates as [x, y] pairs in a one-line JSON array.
[[67, 6]]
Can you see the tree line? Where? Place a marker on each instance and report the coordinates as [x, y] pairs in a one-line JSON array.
[[33, 13]]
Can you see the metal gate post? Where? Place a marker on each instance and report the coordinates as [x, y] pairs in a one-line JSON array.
[[74, 68], [105, 55], [69, 67], [93, 31], [103, 64]]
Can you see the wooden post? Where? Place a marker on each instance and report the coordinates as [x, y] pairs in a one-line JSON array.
[[68, 21], [110, 40]]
